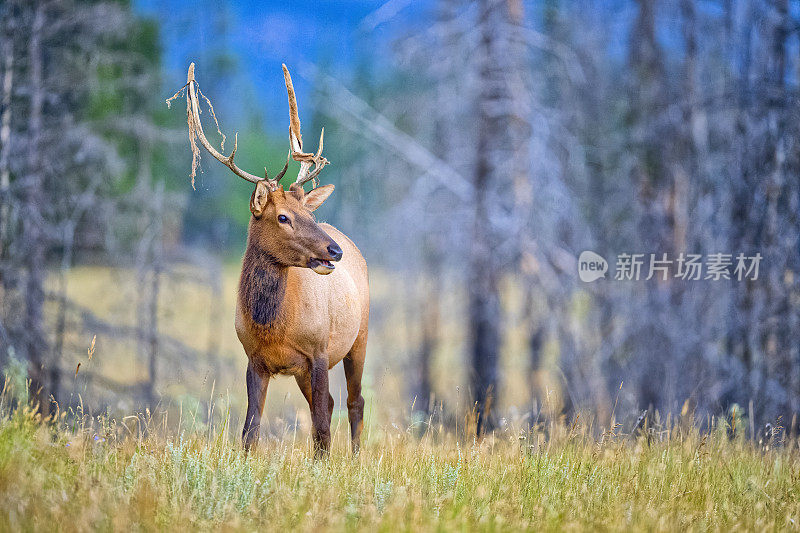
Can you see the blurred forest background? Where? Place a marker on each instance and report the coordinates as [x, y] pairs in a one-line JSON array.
[[476, 147]]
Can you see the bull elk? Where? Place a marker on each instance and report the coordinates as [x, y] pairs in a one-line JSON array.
[[296, 313]]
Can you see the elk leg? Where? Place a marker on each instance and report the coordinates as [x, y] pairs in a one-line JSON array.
[[304, 382], [353, 369], [321, 405], [256, 394]]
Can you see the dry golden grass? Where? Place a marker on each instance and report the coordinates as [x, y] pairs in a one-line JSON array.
[[81, 474], [183, 468]]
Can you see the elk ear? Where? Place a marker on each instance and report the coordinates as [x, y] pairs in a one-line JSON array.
[[259, 199], [315, 197]]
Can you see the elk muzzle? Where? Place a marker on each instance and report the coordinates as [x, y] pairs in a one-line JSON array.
[[325, 265]]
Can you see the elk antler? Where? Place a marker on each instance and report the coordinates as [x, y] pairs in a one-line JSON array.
[[296, 140], [196, 132]]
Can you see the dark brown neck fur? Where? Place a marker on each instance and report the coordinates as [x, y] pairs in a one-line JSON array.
[[262, 286]]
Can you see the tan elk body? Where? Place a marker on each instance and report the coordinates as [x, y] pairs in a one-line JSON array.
[[297, 313]]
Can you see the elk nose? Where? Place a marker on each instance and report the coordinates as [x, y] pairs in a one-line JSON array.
[[335, 252]]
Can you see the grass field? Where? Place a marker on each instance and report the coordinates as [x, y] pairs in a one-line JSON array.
[[93, 474], [183, 469]]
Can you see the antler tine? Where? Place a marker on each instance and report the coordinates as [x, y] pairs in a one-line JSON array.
[[319, 164], [285, 166], [294, 119], [296, 140], [321, 141], [196, 132]]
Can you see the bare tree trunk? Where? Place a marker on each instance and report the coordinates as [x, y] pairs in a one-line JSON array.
[[430, 322], [32, 231], [484, 300], [61, 317], [656, 380], [215, 321], [484, 318], [493, 182], [432, 243], [777, 345], [155, 289], [149, 261], [741, 316], [68, 228], [536, 338], [152, 336], [5, 143], [5, 175]]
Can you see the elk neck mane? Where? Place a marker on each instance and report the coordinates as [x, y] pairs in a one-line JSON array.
[[262, 285]]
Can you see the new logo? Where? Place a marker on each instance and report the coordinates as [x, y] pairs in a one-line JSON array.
[[591, 266]]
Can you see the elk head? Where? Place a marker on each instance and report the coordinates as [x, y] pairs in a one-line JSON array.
[[282, 224]]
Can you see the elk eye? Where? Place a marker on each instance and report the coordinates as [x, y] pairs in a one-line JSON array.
[[283, 219]]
